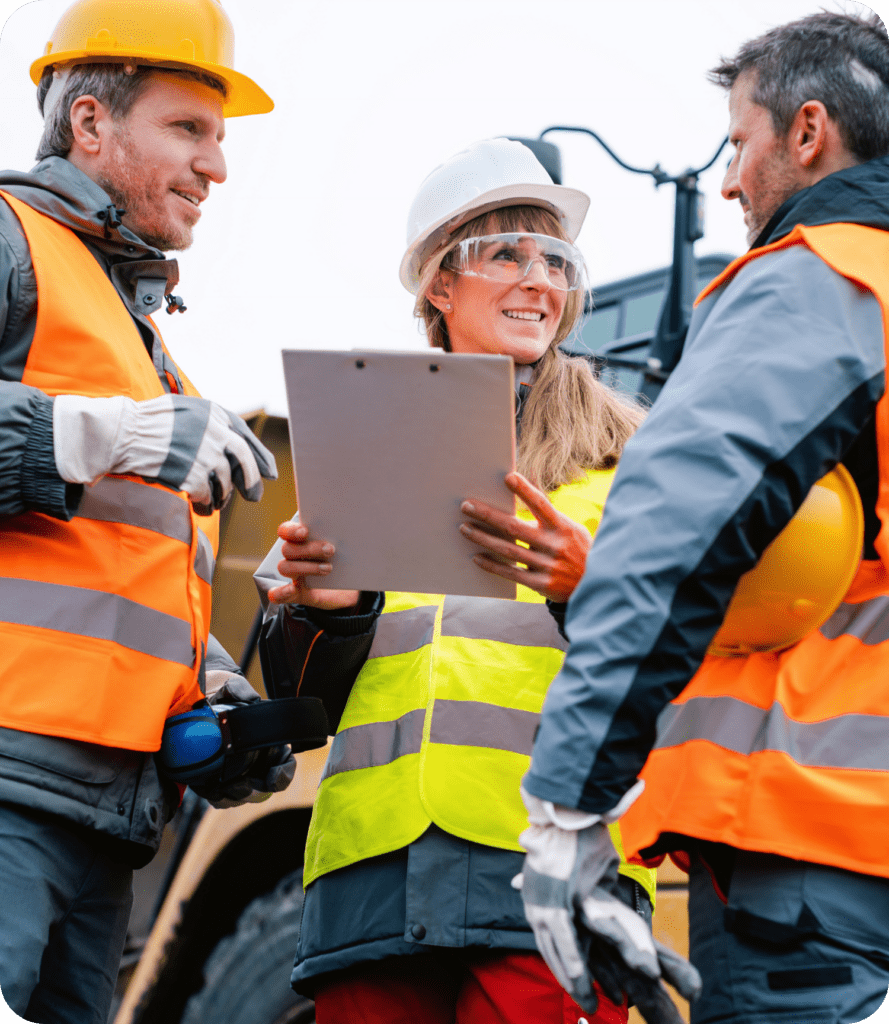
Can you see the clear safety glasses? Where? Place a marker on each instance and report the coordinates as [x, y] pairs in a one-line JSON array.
[[510, 257]]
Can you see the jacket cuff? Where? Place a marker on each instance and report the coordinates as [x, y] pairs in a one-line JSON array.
[[370, 605], [43, 490]]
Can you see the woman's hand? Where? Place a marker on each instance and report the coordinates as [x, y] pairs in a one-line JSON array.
[[306, 558], [554, 560]]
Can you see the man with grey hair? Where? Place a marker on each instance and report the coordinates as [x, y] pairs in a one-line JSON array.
[[765, 772], [112, 472]]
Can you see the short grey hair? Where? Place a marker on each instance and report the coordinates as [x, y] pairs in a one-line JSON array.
[[842, 60], [115, 86]]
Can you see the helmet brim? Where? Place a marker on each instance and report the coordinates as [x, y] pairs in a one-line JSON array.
[[568, 204], [244, 95]]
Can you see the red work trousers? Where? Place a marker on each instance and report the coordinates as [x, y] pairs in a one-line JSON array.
[[455, 987]]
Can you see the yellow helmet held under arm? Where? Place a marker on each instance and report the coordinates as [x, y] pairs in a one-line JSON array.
[[802, 576]]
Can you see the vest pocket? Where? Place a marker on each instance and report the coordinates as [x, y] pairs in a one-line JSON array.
[[810, 977], [808, 1014]]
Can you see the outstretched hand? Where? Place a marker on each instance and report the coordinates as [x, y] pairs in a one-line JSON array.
[[303, 558], [554, 560]]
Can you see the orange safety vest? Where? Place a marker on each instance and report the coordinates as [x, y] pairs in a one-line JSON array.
[[788, 752], [104, 619]]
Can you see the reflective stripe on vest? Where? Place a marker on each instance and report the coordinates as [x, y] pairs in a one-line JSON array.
[[524, 626], [118, 500], [205, 558], [93, 613], [846, 741], [375, 744], [404, 631], [440, 723], [462, 723], [103, 619], [868, 621], [788, 752]]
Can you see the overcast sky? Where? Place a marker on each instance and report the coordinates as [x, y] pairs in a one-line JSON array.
[[301, 246]]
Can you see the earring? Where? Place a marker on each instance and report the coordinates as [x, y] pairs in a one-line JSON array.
[[448, 306]]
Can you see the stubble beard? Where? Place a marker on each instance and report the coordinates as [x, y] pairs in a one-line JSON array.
[[130, 188], [775, 184]]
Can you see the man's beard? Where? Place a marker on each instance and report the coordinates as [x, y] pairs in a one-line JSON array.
[[132, 189], [776, 185]]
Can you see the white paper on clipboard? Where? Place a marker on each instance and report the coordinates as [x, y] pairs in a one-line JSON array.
[[386, 446]]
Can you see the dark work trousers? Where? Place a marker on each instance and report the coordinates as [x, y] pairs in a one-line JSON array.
[[798, 942], [64, 909]]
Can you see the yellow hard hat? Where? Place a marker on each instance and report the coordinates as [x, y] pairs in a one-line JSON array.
[[170, 33], [803, 574]]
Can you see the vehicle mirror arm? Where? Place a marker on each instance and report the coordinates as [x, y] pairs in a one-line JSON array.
[[688, 227]]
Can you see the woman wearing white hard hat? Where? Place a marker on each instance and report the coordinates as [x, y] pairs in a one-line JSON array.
[[409, 913]]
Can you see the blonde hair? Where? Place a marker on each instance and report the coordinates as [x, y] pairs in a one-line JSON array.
[[571, 422]]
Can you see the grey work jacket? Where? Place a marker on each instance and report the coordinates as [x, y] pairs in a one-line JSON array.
[[779, 381], [115, 794]]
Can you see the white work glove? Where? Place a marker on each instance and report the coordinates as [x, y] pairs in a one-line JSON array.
[[187, 443], [264, 772], [582, 929]]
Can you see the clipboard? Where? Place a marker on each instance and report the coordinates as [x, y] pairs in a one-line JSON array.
[[386, 446]]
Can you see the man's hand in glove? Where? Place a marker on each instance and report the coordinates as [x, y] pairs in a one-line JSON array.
[[271, 772], [583, 930], [268, 771], [187, 443]]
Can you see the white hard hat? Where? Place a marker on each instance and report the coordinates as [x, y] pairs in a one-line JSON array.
[[488, 175]]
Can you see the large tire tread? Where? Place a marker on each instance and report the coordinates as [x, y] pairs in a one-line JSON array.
[[247, 976]]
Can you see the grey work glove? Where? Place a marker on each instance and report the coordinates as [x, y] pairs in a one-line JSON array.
[[187, 443], [583, 930], [262, 772], [271, 772]]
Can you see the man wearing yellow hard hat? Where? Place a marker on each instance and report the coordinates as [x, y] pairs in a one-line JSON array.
[[112, 471], [764, 766]]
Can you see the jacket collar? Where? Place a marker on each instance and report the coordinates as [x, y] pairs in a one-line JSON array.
[[855, 195], [60, 190], [522, 381]]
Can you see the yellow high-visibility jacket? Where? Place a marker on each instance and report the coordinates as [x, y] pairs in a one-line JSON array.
[[440, 722]]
